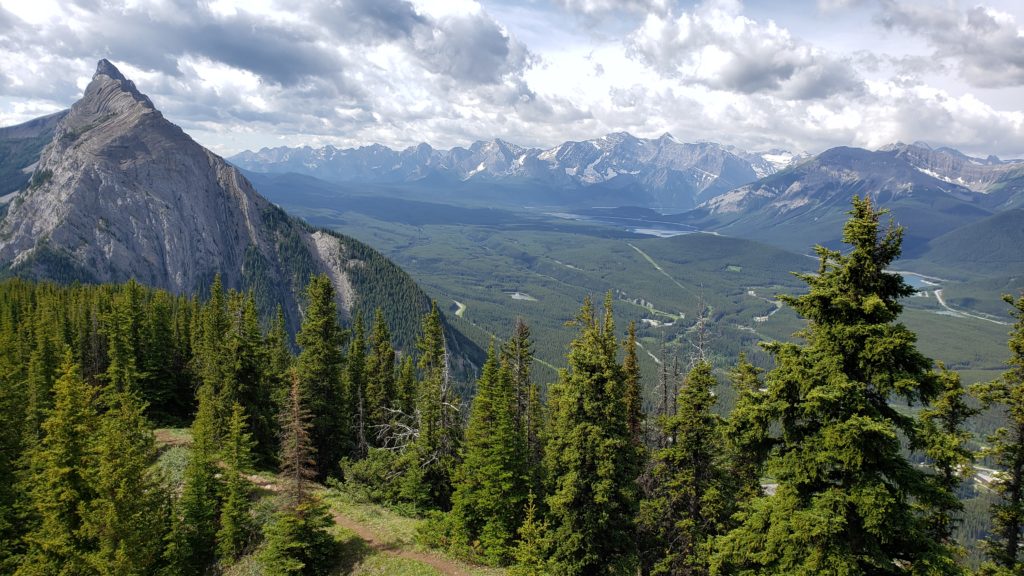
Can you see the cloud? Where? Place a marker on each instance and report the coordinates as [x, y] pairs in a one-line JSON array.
[[986, 45], [715, 45], [602, 7]]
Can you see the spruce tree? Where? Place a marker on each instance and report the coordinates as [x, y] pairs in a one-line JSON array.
[[942, 438], [59, 484], [1006, 447], [127, 518], [589, 457], [842, 505], [429, 480], [747, 439], [690, 497], [320, 366], [195, 520], [381, 387], [517, 357], [296, 540], [355, 388], [491, 480], [236, 525]]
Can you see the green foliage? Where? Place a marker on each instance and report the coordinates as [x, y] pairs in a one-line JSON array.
[[126, 520], [193, 544], [844, 487], [319, 368], [590, 458], [382, 397], [691, 498], [236, 525], [59, 484], [491, 480], [942, 438], [1006, 449], [296, 542]]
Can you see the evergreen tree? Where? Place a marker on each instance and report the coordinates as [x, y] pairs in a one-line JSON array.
[[1006, 447], [429, 479], [407, 386], [296, 539], [634, 391], [127, 518], [123, 374], [689, 498], [59, 487], [381, 388], [943, 439], [212, 359], [319, 366], [530, 559], [844, 488], [491, 481], [517, 357], [192, 541], [747, 439], [236, 525], [248, 384], [589, 458], [355, 386]]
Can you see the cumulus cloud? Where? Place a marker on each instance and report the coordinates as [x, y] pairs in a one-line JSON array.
[[986, 45], [717, 46]]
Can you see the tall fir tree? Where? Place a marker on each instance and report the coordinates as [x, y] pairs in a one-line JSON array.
[[842, 505], [517, 357], [589, 458], [236, 525], [689, 498], [1006, 448], [355, 389], [747, 438], [296, 540], [192, 542], [944, 441], [381, 387], [491, 481], [428, 481], [59, 487], [320, 365], [127, 518]]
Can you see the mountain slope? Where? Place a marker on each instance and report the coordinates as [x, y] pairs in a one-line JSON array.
[[991, 246], [120, 192], [807, 204], [20, 147]]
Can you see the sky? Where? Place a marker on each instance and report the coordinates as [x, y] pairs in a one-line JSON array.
[[802, 76]]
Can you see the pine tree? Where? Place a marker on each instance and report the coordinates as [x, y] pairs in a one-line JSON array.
[[59, 486], [355, 387], [747, 433], [589, 457], [212, 358], [123, 372], [491, 481], [319, 366], [296, 539], [236, 525], [943, 440], [634, 397], [517, 356], [192, 541], [689, 498], [429, 480], [530, 559], [248, 383], [407, 386], [844, 488], [1006, 447], [127, 518], [381, 388]]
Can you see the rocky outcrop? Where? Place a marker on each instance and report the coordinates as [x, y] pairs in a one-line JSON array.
[[120, 192]]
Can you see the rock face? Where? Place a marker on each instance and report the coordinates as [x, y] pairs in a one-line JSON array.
[[120, 192], [19, 150], [662, 173]]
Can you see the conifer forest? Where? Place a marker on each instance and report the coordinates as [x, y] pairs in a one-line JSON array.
[[147, 433]]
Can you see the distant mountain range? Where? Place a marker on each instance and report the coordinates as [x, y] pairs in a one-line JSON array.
[[663, 173], [120, 192]]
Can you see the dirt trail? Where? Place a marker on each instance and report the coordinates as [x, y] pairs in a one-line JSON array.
[[442, 565]]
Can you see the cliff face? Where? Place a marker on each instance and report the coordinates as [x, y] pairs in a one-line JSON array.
[[120, 192]]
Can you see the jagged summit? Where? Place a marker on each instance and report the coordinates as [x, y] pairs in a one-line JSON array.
[[106, 68]]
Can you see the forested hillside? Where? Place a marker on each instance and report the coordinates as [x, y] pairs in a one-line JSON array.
[[817, 469]]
